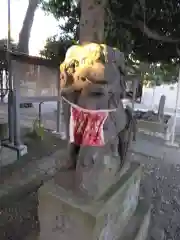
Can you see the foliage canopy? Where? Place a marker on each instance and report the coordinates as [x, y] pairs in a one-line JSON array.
[[149, 29]]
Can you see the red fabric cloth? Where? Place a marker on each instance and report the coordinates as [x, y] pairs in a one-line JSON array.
[[86, 127]]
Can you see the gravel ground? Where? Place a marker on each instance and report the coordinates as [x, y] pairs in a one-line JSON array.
[[161, 186], [20, 219]]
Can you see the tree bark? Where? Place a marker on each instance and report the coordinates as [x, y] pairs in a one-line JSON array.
[[92, 21], [24, 36]]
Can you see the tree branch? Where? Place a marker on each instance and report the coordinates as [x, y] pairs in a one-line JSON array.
[[178, 51], [154, 35], [148, 32]]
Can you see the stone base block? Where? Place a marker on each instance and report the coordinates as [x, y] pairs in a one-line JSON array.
[[70, 215], [138, 226]]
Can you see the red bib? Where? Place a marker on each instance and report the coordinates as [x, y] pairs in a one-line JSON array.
[[86, 127]]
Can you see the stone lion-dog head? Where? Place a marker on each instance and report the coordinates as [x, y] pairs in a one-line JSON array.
[[84, 65]]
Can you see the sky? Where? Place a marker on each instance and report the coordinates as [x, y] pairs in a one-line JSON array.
[[44, 25]]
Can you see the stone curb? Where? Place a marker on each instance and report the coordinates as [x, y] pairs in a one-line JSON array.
[[42, 170]]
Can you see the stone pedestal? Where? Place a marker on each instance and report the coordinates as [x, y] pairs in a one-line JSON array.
[[68, 214], [138, 226], [161, 108]]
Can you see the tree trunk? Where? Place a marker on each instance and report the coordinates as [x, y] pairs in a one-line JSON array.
[[91, 30], [23, 45], [92, 21]]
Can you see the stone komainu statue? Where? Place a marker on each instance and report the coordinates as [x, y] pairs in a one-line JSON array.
[[92, 87]]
